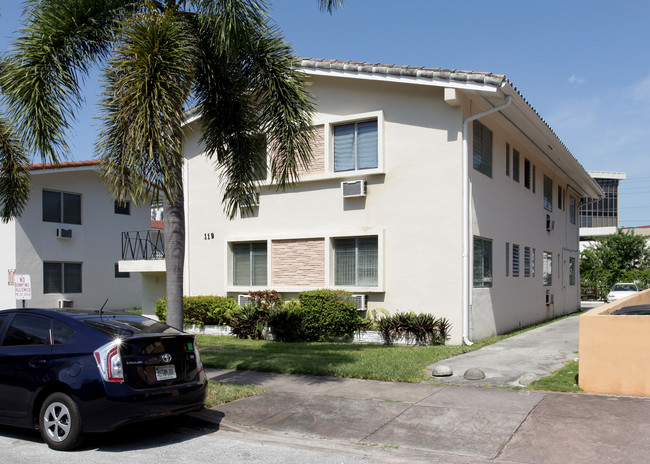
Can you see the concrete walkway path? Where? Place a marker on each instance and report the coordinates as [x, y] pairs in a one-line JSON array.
[[518, 360]]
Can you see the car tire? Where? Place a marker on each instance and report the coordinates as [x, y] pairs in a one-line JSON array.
[[59, 422]]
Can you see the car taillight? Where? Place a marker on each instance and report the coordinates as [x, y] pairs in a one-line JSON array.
[[199, 364], [109, 362]]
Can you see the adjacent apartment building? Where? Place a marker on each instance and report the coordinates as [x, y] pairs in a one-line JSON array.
[[431, 190], [68, 241], [599, 216]]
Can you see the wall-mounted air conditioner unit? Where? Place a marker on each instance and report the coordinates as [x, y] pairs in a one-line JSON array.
[[549, 299], [64, 233], [353, 188], [243, 300], [361, 301], [550, 223], [64, 303]]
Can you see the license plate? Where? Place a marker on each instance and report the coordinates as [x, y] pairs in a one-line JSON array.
[[165, 372]]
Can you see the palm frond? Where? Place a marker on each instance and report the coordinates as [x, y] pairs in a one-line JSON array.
[[14, 175], [41, 78], [330, 5], [257, 91], [147, 83]]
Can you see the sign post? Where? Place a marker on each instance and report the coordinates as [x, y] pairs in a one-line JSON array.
[[23, 287]]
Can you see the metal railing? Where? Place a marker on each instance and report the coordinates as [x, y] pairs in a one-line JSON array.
[[143, 244]]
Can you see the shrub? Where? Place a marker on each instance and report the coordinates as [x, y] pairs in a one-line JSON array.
[[423, 328], [249, 322], [286, 324], [267, 299], [327, 315], [201, 310]]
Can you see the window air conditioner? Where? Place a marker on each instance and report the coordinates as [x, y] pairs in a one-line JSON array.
[[243, 300], [353, 188], [361, 301], [550, 223], [549, 299], [64, 233], [64, 303]]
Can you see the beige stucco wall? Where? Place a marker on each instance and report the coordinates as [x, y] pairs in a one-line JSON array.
[[413, 202], [615, 350], [96, 243]]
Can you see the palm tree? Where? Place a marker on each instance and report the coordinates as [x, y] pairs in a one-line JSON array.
[[222, 58]]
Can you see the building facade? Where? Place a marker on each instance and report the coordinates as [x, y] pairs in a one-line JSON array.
[[68, 241], [599, 216], [430, 190]]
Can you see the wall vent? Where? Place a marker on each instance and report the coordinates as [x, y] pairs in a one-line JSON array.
[[361, 302], [64, 233]]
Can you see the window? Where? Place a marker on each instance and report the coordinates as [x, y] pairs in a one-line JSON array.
[[249, 263], [482, 262], [355, 146], [534, 181], [527, 173], [572, 271], [28, 330], [548, 268], [508, 159], [572, 209], [526, 261], [482, 149], [61, 277], [61, 207], [515, 260], [507, 259], [122, 207], [548, 194], [532, 263], [560, 198], [121, 275], [356, 261], [515, 165]]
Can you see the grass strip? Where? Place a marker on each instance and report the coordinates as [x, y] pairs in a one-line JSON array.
[[221, 392]]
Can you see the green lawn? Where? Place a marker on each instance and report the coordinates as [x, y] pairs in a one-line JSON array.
[[564, 379], [361, 361]]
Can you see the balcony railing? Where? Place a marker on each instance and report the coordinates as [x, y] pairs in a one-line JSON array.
[[143, 245]]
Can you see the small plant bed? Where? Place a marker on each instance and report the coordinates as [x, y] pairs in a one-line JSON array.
[[221, 392], [565, 379]]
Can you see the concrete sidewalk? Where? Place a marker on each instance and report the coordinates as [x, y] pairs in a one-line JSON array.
[[397, 422]]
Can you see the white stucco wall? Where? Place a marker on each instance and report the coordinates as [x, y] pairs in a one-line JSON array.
[[506, 211], [96, 243], [7, 263]]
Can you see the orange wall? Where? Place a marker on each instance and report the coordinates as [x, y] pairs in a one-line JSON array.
[[615, 350]]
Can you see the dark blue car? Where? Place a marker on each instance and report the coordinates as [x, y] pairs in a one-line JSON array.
[[70, 372]]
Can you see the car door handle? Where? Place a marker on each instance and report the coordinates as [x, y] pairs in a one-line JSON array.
[[37, 362]]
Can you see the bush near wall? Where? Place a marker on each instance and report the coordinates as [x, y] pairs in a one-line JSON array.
[[202, 310]]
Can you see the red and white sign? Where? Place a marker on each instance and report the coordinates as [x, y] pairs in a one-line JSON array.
[[12, 274], [23, 286]]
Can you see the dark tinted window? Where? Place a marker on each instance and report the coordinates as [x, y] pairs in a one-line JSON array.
[[61, 333], [62, 278], [130, 325], [71, 208], [28, 330], [122, 207], [61, 207], [51, 206]]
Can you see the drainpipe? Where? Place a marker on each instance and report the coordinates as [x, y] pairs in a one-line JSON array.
[[467, 286]]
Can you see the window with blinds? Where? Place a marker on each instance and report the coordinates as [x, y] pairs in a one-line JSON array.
[[356, 146], [61, 277], [356, 261], [482, 262], [515, 260], [515, 165], [548, 193], [249, 263], [482, 146], [548, 268], [526, 261]]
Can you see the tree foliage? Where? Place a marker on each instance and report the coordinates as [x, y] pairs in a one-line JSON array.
[[620, 257]]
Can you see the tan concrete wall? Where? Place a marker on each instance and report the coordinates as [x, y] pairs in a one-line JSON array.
[[615, 350], [299, 262]]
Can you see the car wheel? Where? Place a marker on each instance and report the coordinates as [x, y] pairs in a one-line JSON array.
[[60, 422]]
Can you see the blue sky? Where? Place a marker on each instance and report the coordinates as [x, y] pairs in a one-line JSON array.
[[583, 65]]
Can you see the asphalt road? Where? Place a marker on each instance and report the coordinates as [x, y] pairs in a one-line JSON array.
[[184, 440]]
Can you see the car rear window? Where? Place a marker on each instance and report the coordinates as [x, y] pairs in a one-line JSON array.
[[124, 325]]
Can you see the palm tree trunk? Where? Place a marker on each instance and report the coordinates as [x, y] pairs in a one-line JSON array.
[[175, 253]]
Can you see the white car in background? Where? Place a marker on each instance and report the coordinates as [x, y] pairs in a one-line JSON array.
[[621, 290]]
